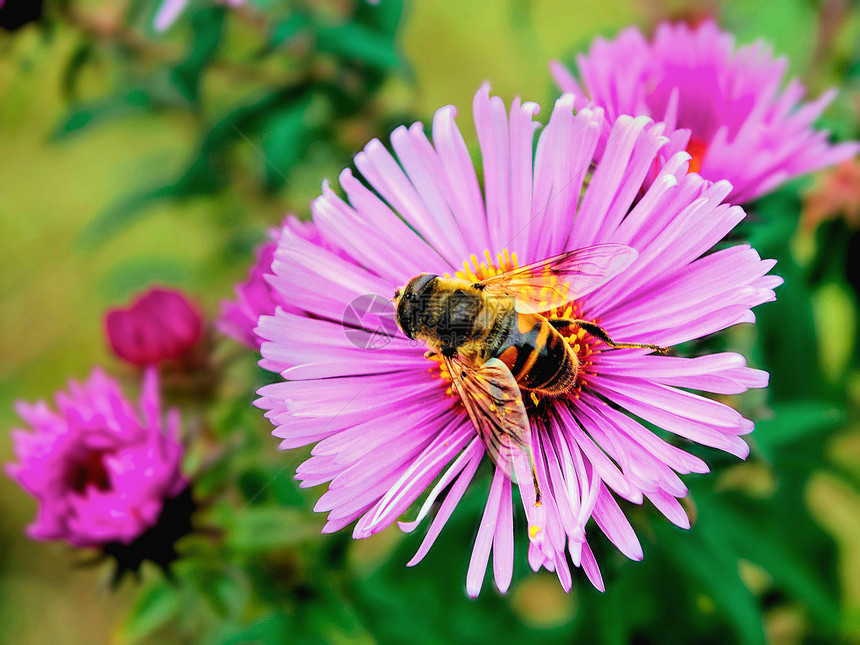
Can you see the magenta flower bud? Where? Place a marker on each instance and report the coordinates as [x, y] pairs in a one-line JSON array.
[[255, 296], [100, 470], [160, 325]]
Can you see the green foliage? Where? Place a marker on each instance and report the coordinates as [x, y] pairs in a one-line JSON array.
[[127, 101], [207, 28], [311, 72], [794, 421], [157, 604], [712, 567], [257, 530], [276, 627], [360, 44]]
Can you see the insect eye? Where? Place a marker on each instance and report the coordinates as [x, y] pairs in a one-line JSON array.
[[410, 297]]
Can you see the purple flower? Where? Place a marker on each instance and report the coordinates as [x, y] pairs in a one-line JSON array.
[[256, 296], [159, 325], [100, 471], [170, 10], [742, 126], [385, 421]]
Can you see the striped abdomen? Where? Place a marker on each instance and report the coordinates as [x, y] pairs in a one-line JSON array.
[[538, 357]]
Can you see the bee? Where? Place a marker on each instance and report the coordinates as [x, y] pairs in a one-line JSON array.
[[497, 345]]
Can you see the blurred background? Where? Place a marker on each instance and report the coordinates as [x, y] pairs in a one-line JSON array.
[[131, 156]]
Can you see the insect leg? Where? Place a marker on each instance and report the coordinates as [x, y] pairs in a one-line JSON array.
[[534, 476], [560, 323], [449, 352], [598, 332]]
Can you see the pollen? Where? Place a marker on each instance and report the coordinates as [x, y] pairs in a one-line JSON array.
[[533, 531], [439, 369], [475, 270]]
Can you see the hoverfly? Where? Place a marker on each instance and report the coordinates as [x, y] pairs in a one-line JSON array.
[[496, 344]]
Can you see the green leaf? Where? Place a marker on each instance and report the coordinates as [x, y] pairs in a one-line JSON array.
[[708, 562], [383, 17], [773, 550], [285, 139], [773, 220], [787, 329], [219, 586], [277, 486], [81, 55], [153, 609], [206, 172], [277, 627], [794, 421], [612, 618], [331, 619], [207, 28], [357, 43], [130, 100], [258, 529], [284, 32]]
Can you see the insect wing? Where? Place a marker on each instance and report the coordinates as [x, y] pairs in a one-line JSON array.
[[560, 279], [492, 398]]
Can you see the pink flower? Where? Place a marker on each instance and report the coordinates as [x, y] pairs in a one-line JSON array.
[[742, 126], [100, 471], [256, 296], [383, 416], [160, 325]]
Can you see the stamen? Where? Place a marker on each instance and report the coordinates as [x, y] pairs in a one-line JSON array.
[[444, 374], [475, 270], [697, 151]]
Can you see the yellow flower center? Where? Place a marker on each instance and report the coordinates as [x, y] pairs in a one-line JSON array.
[[474, 271]]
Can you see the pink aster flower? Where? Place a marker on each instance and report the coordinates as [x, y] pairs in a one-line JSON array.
[[384, 418], [160, 325], [743, 125], [256, 296], [100, 471], [170, 10]]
